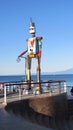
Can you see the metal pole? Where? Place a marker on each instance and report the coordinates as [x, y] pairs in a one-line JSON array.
[[20, 93], [29, 72], [5, 100], [65, 87], [38, 69], [38, 73], [25, 68]]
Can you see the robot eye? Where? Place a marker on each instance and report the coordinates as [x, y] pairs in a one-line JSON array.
[[31, 50], [31, 29]]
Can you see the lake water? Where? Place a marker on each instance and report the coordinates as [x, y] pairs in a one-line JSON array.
[[67, 77]]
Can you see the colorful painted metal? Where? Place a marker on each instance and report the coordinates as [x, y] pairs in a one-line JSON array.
[[34, 49]]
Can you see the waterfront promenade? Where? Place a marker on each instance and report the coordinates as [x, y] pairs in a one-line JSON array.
[[9, 121], [13, 117], [17, 107]]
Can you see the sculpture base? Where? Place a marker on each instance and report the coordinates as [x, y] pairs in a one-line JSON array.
[[54, 106]]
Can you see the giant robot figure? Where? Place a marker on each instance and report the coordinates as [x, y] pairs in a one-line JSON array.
[[34, 46]]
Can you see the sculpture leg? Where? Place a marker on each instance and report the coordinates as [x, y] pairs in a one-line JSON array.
[[38, 69], [29, 72], [38, 73]]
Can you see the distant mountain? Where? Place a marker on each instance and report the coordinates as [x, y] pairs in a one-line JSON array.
[[68, 71]]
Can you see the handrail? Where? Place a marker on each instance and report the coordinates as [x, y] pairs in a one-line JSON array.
[[32, 82], [52, 87]]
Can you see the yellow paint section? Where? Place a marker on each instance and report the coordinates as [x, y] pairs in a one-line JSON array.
[[37, 88], [32, 55], [28, 74]]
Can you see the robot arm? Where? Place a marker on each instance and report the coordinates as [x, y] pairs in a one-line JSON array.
[[22, 54], [18, 59]]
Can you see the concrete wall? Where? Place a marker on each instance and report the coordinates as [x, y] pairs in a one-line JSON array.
[[54, 106]]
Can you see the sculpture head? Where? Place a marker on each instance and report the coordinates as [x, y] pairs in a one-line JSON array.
[[32, 29]]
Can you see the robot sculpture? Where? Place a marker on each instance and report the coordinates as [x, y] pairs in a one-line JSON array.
[[34, 46]]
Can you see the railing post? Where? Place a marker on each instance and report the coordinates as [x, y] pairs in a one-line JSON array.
[[65, 87], [60, 88], [5, 100], [20, 93]]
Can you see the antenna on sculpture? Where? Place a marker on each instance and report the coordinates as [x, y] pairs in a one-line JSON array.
[[32, 29]]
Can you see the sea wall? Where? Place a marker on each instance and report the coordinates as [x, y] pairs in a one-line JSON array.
[[46, 111], [53, 106]]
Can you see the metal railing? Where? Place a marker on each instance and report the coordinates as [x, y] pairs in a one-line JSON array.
[[17, 90]]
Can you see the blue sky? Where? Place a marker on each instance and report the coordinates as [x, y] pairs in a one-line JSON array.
[[54, 22]]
